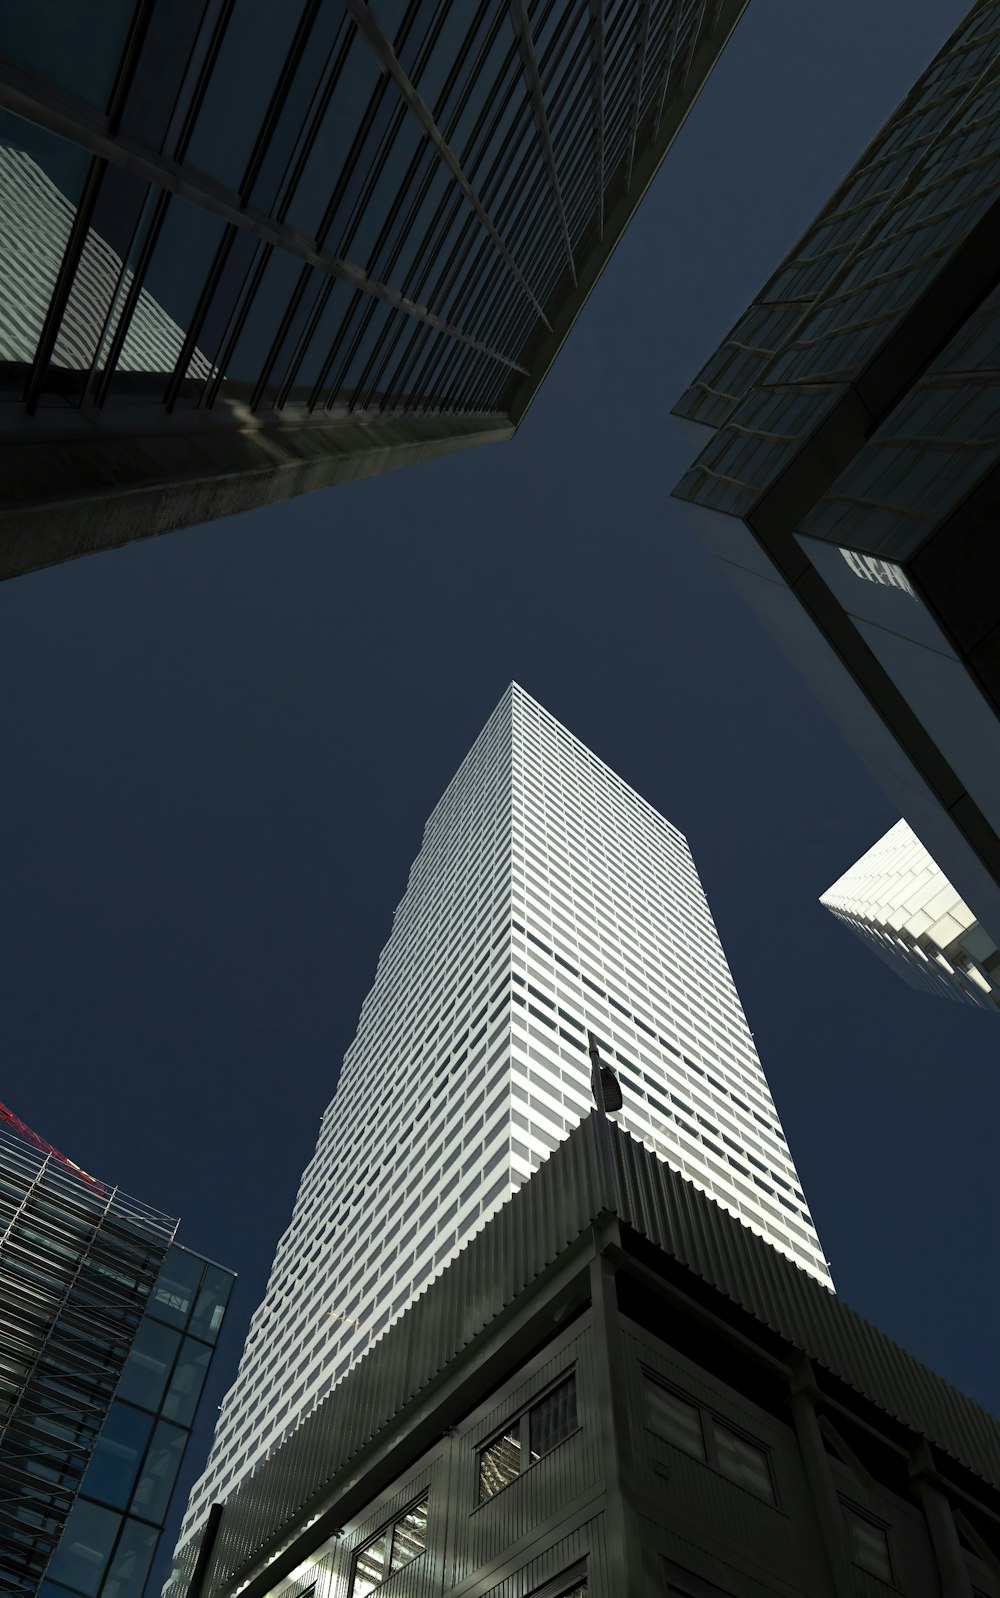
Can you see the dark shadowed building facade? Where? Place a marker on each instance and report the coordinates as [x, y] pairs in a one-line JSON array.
[[618, 1390], [849, 474], [252, 250], [107, 1329]]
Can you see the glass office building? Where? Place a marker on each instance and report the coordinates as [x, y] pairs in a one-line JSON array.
[[114, 1527], [848, 480], [107, 1329], [255, 250], [899, 902], [548, 899]]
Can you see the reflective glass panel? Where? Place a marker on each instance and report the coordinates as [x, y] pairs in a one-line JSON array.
[[187, 1382], [211, 1303], [76, 47], [187, 241], [132, 1558], [553, 1419], [41, 179], [675, 1420], [252, 55], [176, 1286], [409, 1536], [370, 1567], [84, 1547], [148, 1367], [869, 1545], [115, 1462], [152, 1495], [499, 1464], [743, 1463]]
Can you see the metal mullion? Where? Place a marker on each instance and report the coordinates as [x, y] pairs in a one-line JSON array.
[[365, 386], [522, 30], [410, 363], [324, 373], [279, 337], [385, 55], [455, 69], [200, 312], [431, 356], [205, 72], [241, 309], [393, 210], [397, 334], [286, 78], [693, 36], [128, 61], [103, 381], [395, 388], [489, 101], [308, 333], [597, 23], [340, 371], [63, 284], [572, 96], [670, 44], [642, 44]]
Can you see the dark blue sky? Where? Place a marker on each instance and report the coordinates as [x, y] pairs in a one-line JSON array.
[[221, 747]]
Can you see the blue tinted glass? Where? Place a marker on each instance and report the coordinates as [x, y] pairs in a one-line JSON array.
[[180, 1277], [76, 47], [148, 1367], [132, 1558], [359, 77], [84, 1547], [164, 65], [152, 1495], [187, 241], [269, 304], [211, 1302], [246, 71], [115, 1462], [187, 1382]]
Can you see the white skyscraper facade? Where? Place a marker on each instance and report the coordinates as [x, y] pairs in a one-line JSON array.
[[899, 902], [548, 899]]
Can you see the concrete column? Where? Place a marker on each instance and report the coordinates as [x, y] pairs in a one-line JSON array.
[[826, 1504], [952, 1568], [632, 1563]]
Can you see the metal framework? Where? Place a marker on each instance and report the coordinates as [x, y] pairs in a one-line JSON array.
[[76, 1269]]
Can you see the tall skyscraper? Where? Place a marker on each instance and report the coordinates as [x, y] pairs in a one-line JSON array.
[[365, 228], [901, 904], [107, 1330], [548, 899], [848, 480]]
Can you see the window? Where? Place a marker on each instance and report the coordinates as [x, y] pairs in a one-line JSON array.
[[395, 1546], [869, 1543], [528, 1438], [700, 1435]]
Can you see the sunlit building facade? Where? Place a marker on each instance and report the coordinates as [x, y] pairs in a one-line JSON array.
[[261, 250], [847, 479], [901, 904], [548, 900]]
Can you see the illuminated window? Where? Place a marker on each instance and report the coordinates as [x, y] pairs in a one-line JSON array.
[[529, 1437], [394, 1546]]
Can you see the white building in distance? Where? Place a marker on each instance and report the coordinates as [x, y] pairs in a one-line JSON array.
[[548, 899], [899, 901]]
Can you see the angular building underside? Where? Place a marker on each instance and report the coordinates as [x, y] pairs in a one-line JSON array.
[[849, 475], [254, 251]]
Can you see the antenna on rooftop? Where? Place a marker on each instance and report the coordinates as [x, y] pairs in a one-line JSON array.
[[605, 1086]]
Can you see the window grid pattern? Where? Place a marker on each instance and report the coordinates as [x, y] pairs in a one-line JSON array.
[[920, 189], [378, 201], [547, 898], [528, 1438], [702, 1436]]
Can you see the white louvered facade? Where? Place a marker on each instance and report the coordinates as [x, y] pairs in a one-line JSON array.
[[899, 902], [548, 899]]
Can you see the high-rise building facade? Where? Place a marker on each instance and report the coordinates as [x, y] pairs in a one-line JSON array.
[[107, 1328], [260, 250], [548, 899], [849, 480], [901, 904]]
